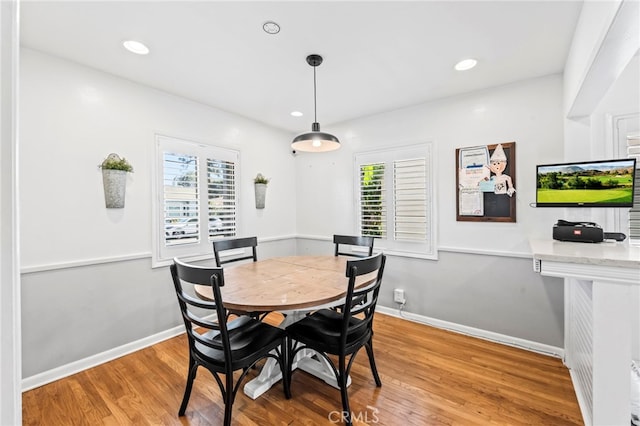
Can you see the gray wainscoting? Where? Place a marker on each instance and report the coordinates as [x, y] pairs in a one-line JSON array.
[[74, 313], [494, 293]]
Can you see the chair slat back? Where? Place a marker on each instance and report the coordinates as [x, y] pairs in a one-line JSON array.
[[235, 243], [362, 300], [352, 240], [183, 273]]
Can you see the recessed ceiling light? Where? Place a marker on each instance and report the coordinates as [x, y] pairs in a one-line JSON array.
[[271, 27], [466, 64], [296, 113], [136, 47]]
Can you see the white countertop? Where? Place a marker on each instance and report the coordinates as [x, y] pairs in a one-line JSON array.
[[603, 254]]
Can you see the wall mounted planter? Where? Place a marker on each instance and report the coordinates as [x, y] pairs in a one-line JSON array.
[[114, 180], [261, 194], [115, 185], [260, 184]]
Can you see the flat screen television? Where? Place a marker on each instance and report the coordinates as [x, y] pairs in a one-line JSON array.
[[606, 183]]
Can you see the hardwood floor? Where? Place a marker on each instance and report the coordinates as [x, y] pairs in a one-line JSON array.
[[429, 377]]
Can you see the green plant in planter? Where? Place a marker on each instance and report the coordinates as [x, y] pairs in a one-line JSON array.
[[114, 162], [260, 179]]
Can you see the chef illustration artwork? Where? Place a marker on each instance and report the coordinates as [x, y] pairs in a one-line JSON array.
[[500, 182]]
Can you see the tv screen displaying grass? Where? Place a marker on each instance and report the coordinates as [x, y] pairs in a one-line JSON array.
[[607, 183]]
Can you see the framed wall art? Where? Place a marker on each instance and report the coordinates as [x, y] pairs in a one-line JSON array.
[[485, 182]]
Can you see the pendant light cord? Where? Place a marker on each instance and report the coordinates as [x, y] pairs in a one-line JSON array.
[[315, 112]]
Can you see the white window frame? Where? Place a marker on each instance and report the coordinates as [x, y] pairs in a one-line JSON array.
[[421, 249], [619, 129], [633, 214], [202, 249]]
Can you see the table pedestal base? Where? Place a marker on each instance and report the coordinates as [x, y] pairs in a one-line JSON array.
[[269, 376], [319, 367], [307, 360]]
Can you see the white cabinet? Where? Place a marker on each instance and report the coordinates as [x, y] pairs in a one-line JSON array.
[[601, 284]]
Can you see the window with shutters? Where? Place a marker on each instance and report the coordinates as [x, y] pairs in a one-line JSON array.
[[395, 199], [196, 198]]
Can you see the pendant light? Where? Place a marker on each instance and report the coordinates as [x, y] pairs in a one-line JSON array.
[[315, 140]]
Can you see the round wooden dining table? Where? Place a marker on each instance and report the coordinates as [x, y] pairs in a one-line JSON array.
[[290, 283], [294, 285]]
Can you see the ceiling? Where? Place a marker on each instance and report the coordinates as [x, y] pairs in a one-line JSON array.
[[378, 56]]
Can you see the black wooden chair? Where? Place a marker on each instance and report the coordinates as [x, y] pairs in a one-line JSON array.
[[232, 244], [351, 240], [222, 347], [342, 334]]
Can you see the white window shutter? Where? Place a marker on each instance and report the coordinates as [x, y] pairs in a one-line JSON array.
[[410, 218], [221, 191]]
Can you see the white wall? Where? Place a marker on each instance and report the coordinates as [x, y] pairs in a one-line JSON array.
[[529, 113], [74, 116], [87, 282], [483, 279]]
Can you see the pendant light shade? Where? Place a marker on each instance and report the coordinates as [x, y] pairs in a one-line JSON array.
[[315, 140]]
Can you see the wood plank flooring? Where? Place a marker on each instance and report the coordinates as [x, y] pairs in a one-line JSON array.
[[429, 377]]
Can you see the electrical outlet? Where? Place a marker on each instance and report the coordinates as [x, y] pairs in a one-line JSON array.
[[537, 265], [398, 295]]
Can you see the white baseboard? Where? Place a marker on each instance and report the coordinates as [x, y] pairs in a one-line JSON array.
[[503, 339], [97, 359], [94, 360]]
